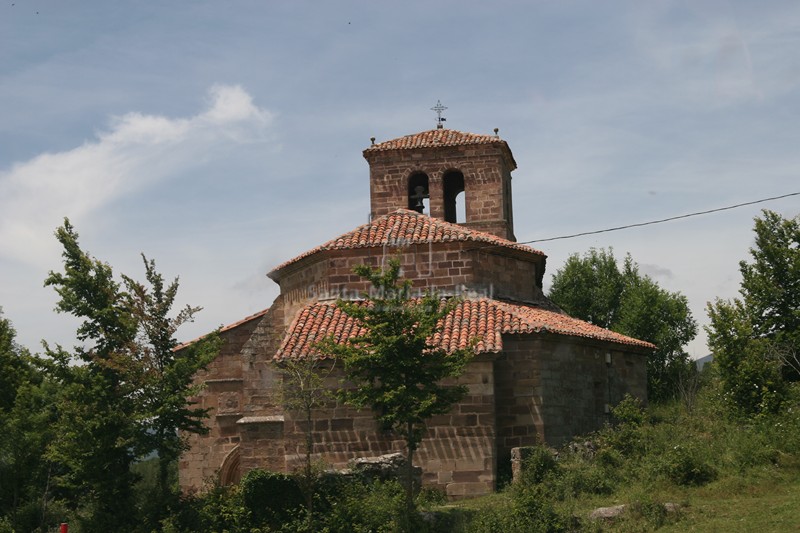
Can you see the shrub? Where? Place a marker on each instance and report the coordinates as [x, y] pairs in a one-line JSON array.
[[539, 462], [270, 497], [431, 496], [684, 465], [629, 411], [530, 511], [376, 507]]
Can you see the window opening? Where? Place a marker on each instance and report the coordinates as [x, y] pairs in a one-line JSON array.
[[418, 193], [454, 197]]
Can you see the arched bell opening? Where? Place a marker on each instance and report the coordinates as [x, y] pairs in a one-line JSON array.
[[454, 197], [418, 193]]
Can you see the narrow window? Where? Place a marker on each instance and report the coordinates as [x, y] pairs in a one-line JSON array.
[[454, 204], [418, 193]]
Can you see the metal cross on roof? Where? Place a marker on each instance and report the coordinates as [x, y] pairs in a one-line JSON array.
[[439, 119]]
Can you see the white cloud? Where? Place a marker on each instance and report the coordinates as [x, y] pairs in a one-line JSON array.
[[136, 152]]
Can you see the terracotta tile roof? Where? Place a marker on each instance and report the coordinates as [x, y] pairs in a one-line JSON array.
[[434, 139], [404, 227], [223, 329], [482, 319]]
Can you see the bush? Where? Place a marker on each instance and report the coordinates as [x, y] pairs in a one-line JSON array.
[[531, 511], [629, 411], [376, 507], [271, 498], [684, 465], [539, 462]]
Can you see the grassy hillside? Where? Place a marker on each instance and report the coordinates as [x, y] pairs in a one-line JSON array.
[[724, 473]]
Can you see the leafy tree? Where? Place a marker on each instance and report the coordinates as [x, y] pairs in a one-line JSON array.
[[771, 283], [304, 390], [128, 397], [97, 410], [755, 338], [14, 364], [591, 287], [395, 368], [26, 418], [162, 374], [594, 288]]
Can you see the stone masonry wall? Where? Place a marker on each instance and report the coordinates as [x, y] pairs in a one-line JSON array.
[[550, 389], [448, 267], [487, 175], [222, 393], [249, 428], [457, 454]]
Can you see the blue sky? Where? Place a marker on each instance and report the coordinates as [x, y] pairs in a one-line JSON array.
[[223, 138]]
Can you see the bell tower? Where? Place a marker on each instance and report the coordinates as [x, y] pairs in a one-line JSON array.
[[459, 177]]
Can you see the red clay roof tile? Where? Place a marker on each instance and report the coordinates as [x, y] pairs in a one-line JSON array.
[[223, 329], [481, 320], [434, 139], [404, 227]]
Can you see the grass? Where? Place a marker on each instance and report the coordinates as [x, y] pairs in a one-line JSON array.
[[726, 474]]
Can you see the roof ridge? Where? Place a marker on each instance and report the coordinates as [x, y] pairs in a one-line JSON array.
[[434, 138], [388, 230], [487, 320]]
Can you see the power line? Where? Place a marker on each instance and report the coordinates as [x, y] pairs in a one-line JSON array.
[[662, 220]]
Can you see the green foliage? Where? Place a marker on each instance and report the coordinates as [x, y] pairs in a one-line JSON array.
[[272, 498], [163, 375], [127, 396], [26, 498], [14, 364], [646, 459], [629, 411], [365, 508], [755, 340], [531, 510], [96, 424], [430, 496], [685, 465], [771, 282], [303, 389], [594, 288], [591, 287], [395, 368], [539, 463]]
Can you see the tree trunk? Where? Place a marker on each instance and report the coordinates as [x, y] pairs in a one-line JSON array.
[[409, 481]]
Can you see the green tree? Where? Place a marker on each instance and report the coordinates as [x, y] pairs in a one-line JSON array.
[[14, 366], [755, 338], [594, 288], [127, 396], [26, 418], [97, 409], [395, 368], [591, 287], [164, 375], [770, 286], [303, 390]]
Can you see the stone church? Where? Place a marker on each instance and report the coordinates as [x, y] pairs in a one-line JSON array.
[[538, 375]]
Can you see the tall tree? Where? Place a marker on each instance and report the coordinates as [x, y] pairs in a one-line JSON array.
[[303, 390], [162, 374], [770, 286], [127, 398], [396, 369], [13, 364], [595, 288], [97, 412], [26, 417], [755, 338]]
